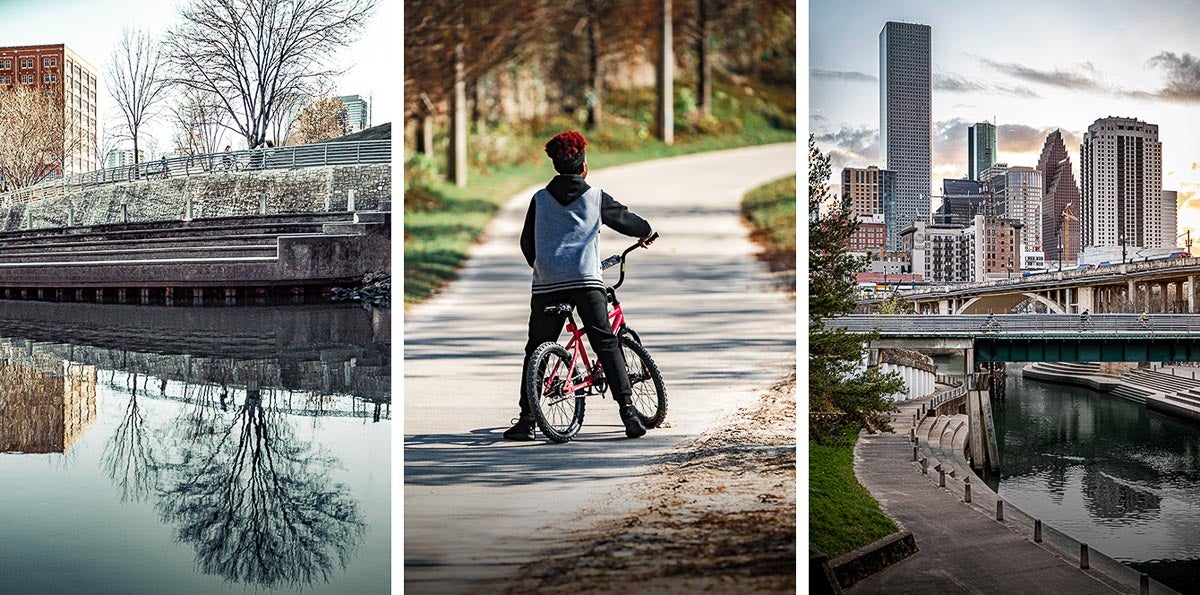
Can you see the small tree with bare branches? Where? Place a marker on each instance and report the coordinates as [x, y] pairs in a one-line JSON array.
[[137, 81], [33, 140], [258, 55]]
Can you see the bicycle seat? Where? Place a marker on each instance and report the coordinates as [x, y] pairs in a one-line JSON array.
[[560, 309]]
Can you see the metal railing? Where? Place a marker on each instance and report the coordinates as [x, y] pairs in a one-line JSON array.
[[949, 395], [314, 155], [1018, 325]]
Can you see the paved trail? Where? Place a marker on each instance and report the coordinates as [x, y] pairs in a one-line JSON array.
[[477, 507]]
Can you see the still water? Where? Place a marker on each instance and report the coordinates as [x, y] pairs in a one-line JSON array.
[[194, 450], [1105, 471]]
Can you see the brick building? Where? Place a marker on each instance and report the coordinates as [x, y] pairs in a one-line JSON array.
[[62, 74], [870, 236]]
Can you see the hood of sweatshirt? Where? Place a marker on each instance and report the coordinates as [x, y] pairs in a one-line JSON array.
[[565, 188]]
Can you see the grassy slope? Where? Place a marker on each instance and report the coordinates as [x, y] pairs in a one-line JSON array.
[[771, 210], [441, 221], [842, 514]]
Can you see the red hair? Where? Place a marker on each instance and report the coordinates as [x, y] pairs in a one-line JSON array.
[[565, 146]]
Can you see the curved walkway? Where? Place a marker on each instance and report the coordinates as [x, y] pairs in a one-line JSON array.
[[477, 507], [962, 549]]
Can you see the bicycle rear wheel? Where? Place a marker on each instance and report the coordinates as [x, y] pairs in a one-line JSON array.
[[649, 392], [559, 416]]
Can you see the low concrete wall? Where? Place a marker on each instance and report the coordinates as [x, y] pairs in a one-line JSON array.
[[223, 194], [867, 560]]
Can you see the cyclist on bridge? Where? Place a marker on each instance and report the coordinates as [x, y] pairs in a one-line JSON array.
[[1085, 319], [561, 241], [1145, 318]]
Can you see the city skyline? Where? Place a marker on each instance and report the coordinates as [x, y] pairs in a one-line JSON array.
[[1032, 70]]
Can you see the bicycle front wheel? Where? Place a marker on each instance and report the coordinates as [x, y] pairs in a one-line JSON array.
[[559, 415], [649, 392]]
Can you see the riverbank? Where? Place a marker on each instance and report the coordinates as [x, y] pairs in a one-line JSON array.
[[953, 534]]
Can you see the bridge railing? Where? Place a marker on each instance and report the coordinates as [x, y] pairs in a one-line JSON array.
[[313, 155], [977, 325]]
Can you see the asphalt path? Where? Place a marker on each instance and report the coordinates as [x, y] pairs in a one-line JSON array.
[[476, 507]]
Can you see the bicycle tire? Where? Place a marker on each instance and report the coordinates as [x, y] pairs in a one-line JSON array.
[[560, 420], [649, 392]]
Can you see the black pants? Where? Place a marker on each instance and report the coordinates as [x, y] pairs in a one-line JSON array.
[[592, 308]]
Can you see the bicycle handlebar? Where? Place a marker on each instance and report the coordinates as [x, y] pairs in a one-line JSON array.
[[613, 260]]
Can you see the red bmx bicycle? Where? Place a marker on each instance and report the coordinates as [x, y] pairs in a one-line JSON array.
[[559, 378]]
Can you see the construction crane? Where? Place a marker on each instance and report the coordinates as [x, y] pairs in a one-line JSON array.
[[1065, 233]]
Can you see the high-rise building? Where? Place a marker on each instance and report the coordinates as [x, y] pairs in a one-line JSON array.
[[1120, 170], [1017, 194], [906, 120], [981, 149], [123, 157], [358, 112], [867, 189], [61, 74], [1170, 218], [997, 247], [961, 201], [869, 237], [942, 254], [1060, 233]]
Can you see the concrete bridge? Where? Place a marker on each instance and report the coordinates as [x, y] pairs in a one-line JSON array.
[[1159, 286], [1036, 337]]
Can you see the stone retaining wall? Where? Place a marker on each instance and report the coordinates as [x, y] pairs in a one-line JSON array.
[[221, 194]]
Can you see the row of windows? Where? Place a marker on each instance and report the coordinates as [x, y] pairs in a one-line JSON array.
[[27, 63]]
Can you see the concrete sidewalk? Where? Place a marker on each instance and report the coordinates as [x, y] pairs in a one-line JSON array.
[[962, 549], [477, 507]]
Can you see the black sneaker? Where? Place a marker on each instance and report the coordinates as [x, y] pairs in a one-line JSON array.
[[633, 423], [522, 429]]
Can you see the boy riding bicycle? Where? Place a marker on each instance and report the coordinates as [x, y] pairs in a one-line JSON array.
[[561, 241]]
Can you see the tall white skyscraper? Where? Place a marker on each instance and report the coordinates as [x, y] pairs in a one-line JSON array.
[[906, 120], [1120, 170], [358, 112], [1017, 194], [1170, 218]]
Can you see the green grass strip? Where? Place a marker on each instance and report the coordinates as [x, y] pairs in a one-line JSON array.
[[842, 514]]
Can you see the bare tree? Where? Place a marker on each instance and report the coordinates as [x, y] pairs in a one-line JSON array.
[[257, 55], [200, 122], [37, 145], [137, 80]]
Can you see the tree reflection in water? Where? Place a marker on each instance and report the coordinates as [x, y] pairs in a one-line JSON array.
[[257, 503], [128, 459]]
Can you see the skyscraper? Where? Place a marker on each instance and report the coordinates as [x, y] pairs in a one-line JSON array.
[[906, 120], [358, 112], [1120, 170], [1170, 218], [867, 189], [66, 77], [1017, 193], [981, 149], [1060, 234]]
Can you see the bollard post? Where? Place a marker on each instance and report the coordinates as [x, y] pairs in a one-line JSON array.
[[953, 474], [262, 203], [914, 453], [350, 200], [912, 434], [924, 466], [999, 510], [967, 490], [1144, 584], [124, 213], [1083, 556], [1037, 531], [28, 218], [189, 209], [70, 215], [941, 477]]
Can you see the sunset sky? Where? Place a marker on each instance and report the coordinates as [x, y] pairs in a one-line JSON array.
[[1032, 66]]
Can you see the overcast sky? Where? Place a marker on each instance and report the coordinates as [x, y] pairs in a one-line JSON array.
[[1031, 65], [92, 29]]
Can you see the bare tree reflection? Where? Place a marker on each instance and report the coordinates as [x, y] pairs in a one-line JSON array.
[[128, 459], [258, 504]]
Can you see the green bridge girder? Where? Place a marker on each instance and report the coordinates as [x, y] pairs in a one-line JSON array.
[[1089, 349]]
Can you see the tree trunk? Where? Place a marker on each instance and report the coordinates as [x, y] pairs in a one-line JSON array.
[[704, 87], [425, 135], [480, 108], [595, 107], [666, 73], [458, 122]]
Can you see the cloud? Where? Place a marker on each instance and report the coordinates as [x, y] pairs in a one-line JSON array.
[[1183, 76], [1085, 79], [842, 75], [956, 83], [851, 146], [1020, 138]]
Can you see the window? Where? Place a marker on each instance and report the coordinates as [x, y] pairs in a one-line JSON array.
[[49, 77], [5, 64], [27, 63], [27, 79], [49, 62], [5, 80]]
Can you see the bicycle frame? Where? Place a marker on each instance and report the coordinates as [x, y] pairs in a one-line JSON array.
[[578, 350]]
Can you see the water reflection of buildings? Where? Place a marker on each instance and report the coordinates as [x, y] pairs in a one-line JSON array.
[[1110, 499], [45, 409]]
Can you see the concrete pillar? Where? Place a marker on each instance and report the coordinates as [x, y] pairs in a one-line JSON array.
[[189, 209], [99, 295], [79, 295], [1178, 299], [970, 360], [124, 213], [262, 203], [121, 296], [169, 296], [198, 296], [230, 296], [1191, 294], [145, 297], [1087, 299], [28, 218], [350, 206], [943, 306], [1131, 294]]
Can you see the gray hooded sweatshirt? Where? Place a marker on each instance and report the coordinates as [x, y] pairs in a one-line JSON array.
[[561, 237]]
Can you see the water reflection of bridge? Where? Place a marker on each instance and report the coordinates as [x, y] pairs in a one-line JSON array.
[[323, 360]]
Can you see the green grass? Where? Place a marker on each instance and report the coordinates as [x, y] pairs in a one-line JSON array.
[[842, 515], [771, 210], [442, 221]]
